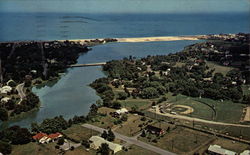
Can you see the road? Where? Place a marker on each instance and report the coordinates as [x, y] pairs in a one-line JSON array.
[[20, 91], [157, 110], [131, 140]]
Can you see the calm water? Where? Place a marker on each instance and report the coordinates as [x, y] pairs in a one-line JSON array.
[[53, 19]]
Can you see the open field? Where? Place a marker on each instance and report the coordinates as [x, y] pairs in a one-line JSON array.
[[218, 68], [136, 150], [203, 108], [80, 151], [131, 126], [231, 145], [79, 133], [140, 103], [34, 148], [179, 140]]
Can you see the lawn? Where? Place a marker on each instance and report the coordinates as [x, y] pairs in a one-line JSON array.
[[232, 145], [218, 68], [179, 140], [140, 103], [224, 110], [79, 133], [34, 148], [131, 126], [136, 150], [80, 151]]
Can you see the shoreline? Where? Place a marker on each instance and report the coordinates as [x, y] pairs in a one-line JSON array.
[[132, 39]]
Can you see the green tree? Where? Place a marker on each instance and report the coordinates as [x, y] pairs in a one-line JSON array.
[[104, 134], [3, 114], [5, 148], [111, 136], [60, 141], [149, 93], [104, 149], [122, 95]]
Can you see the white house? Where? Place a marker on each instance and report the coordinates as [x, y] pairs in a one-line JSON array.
[[121, 111], [5, 89], [97, 141], [216, 149], [246, 152], [5, 99]]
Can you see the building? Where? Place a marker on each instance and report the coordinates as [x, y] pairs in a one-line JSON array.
[[246, 152], [5, 89], [122, 111], [154, 130], [44, 138], [96, 142], [218, 150]]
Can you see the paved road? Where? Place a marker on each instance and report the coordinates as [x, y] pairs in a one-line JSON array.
[[131, 140], [20, 91], [157, 110]]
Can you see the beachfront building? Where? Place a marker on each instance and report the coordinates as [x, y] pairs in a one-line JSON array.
[[218, 150], [96, 142]]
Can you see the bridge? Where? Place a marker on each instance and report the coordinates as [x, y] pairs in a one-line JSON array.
[[87, 65]]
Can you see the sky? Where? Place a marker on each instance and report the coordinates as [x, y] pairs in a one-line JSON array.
[[125, 6]]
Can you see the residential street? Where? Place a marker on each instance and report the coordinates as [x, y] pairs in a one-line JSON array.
[[131, 140]]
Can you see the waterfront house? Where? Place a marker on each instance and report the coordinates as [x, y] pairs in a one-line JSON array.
[[96, 142], [44, 138], [154, 130], [122, 111]]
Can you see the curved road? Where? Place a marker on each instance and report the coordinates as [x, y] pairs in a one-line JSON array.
[[131, 140]]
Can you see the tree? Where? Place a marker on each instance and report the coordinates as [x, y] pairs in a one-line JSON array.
[[149, 93], [3, 114], [60, 141], [104, 134], [104, 149], [122, 95], [111, 136], [246, 99], [116, 105], [143, 134], [93, 110], [5, 148], [124, 118]]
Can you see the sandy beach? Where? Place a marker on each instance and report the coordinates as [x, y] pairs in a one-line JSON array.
[[166, 38], [151, 39]]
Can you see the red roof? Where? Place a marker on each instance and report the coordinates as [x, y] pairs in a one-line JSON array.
[[54, 135], [39, 136]]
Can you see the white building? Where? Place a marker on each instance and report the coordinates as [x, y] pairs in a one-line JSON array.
[[216, 149], [5, 99], [246, 152], [121, 111], [97, 141], [5, 89]]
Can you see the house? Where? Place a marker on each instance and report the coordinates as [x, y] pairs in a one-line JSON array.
[[246, 152], [5, 89], [40, 137], [218, 150], [96, 142], [5, 100], [44, 138], [54, 136], [122, 111], [154, 130]]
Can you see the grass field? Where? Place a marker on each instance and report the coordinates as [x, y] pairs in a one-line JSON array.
[[218, 68], [224, 110], [79, 133], [231, 145], [140, 103], [80, 151], [34, 148], [136, 150], [131, 126], [179, 140]]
